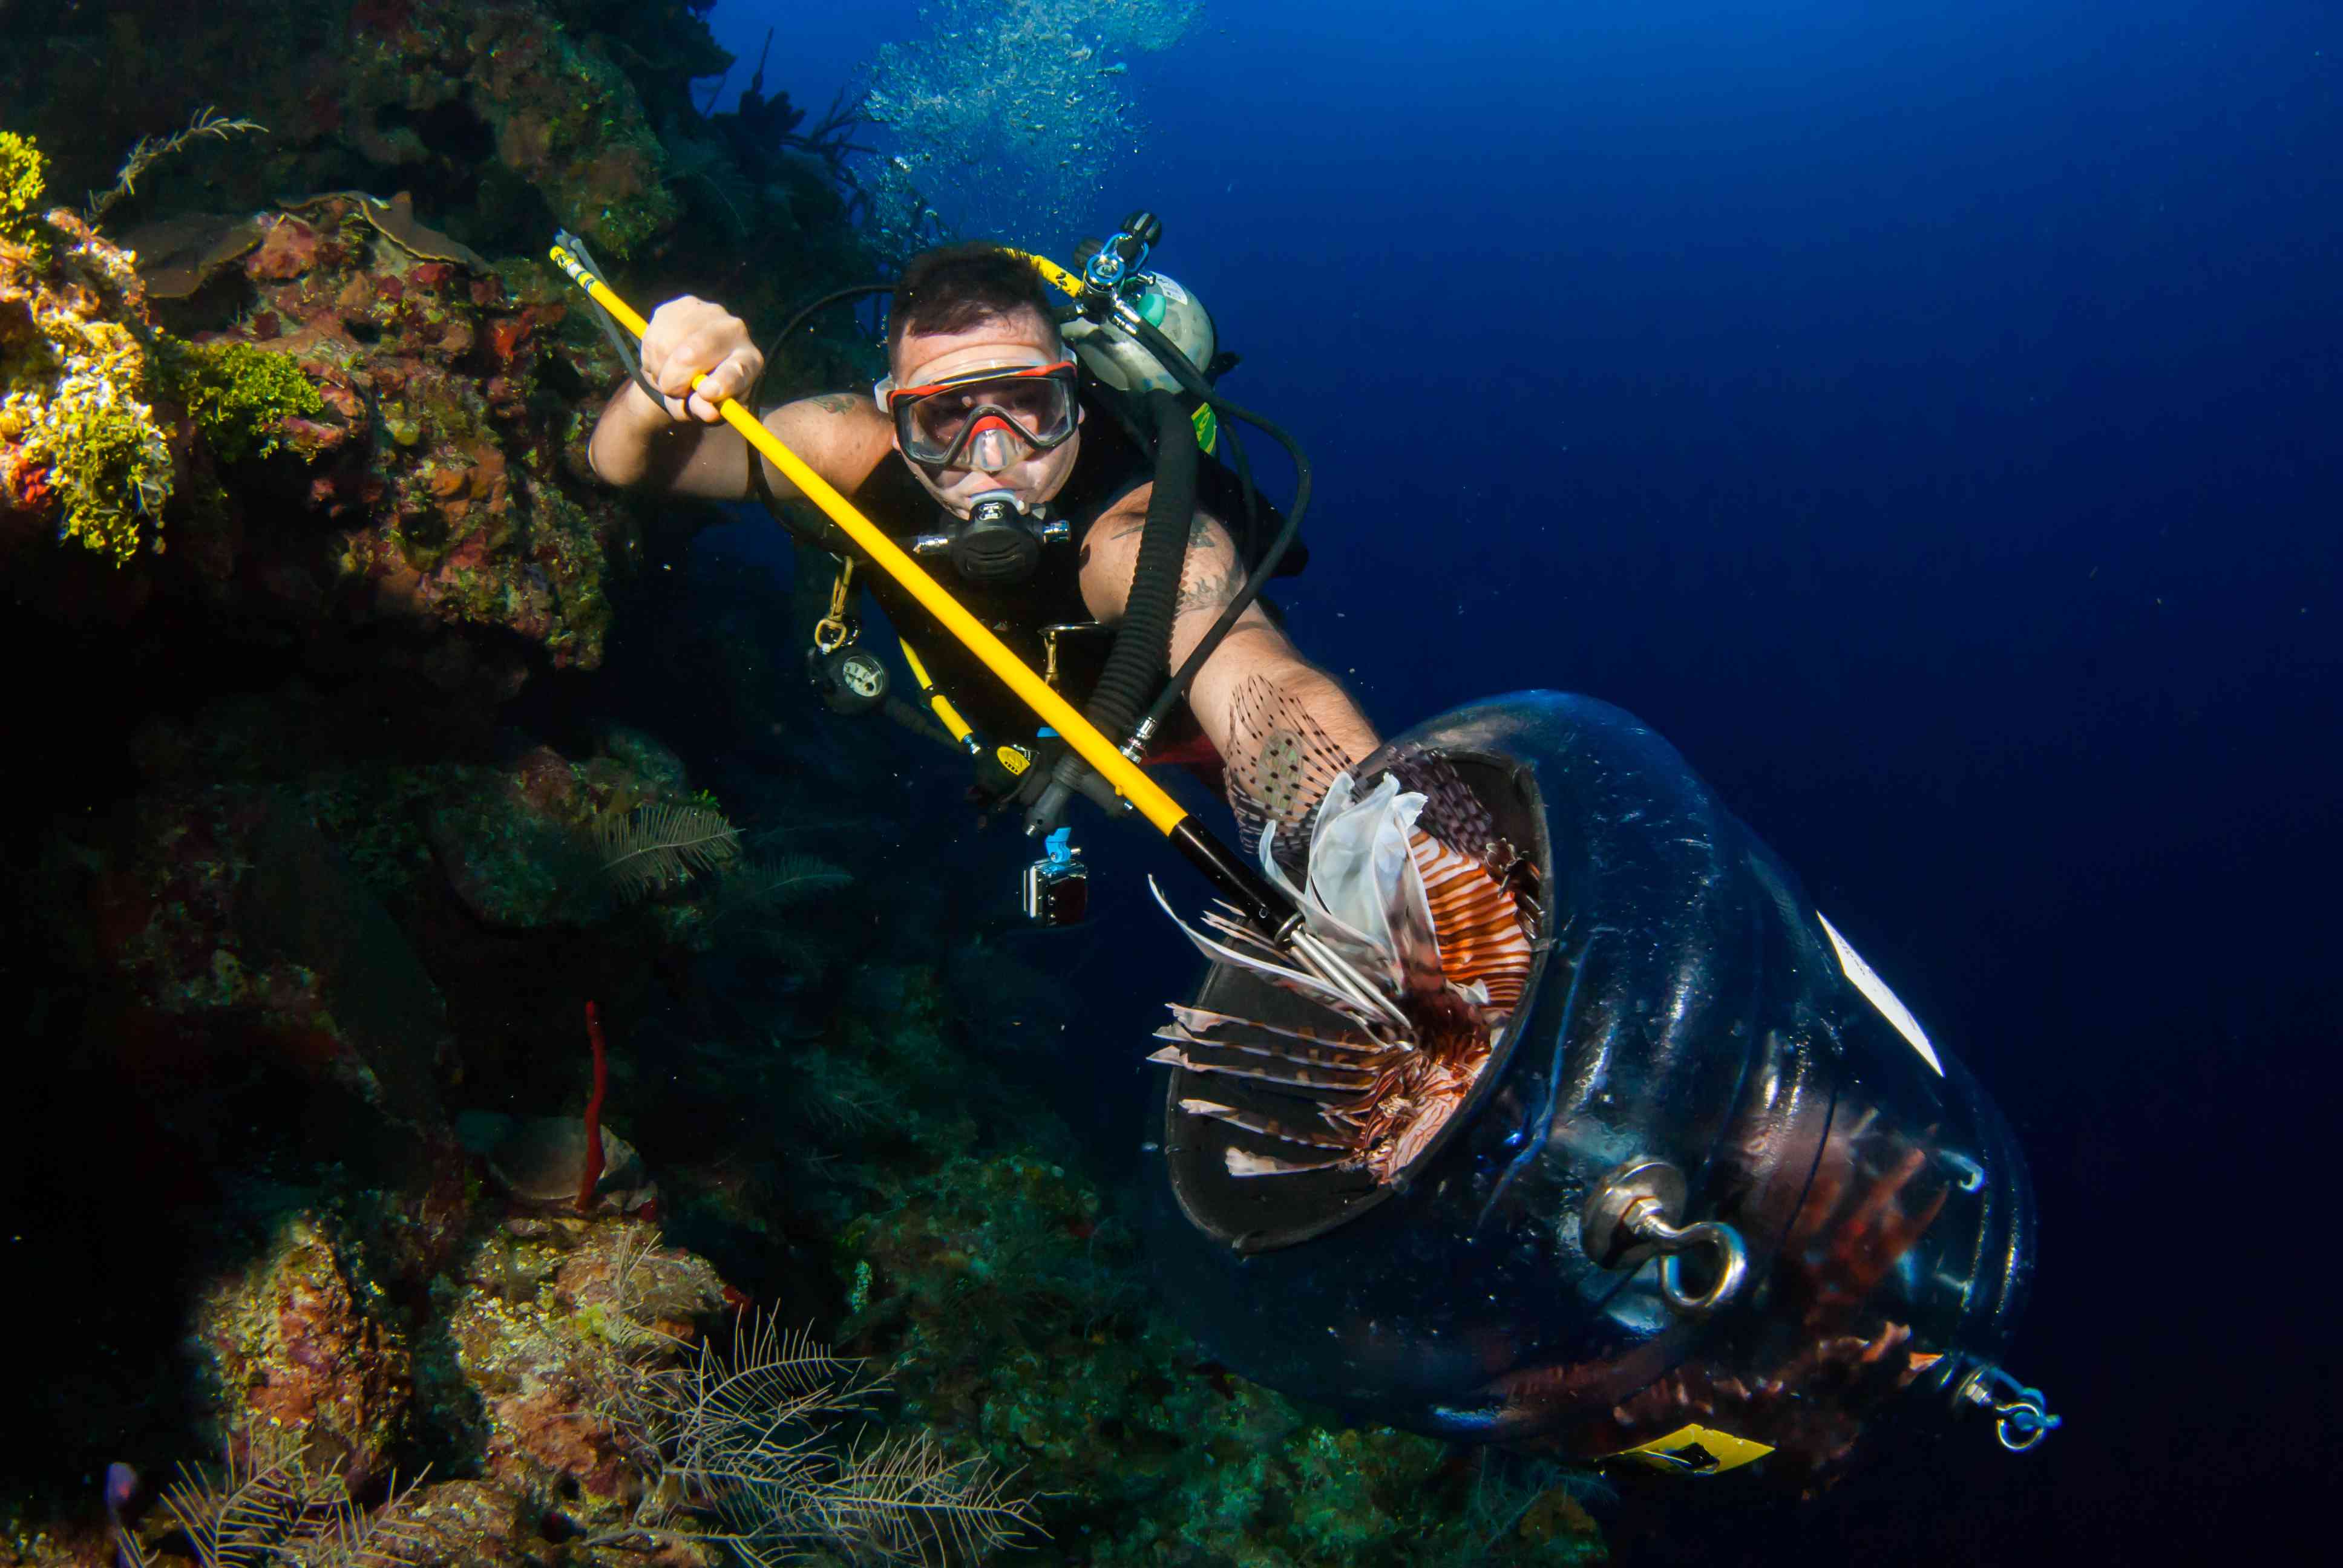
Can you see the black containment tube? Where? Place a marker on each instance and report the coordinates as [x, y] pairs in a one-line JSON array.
[[1693, 1007]]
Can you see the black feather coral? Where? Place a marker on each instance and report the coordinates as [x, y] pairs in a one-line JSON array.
[[271, 1504], [654, 848], [761, 882]]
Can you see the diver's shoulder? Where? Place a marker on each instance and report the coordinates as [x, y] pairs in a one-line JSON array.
[[845, 408], [843, 436]]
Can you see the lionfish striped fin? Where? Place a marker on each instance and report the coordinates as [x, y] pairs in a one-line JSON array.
[[1280, 766], [1451, 812], [1244, 1162], [1275, 1049], [1476, 920], [1263, 1125], [1205, 1021], [1300, 1077]]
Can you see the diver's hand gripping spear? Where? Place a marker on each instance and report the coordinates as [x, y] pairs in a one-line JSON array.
[[1264, 906]]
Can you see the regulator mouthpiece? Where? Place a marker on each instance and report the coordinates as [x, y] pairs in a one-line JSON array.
[[997, 543]]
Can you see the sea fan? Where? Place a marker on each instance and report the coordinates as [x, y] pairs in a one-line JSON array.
[[656, 847]]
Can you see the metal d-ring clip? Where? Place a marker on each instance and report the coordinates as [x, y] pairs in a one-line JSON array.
[[1631, 1214], [837, 630]]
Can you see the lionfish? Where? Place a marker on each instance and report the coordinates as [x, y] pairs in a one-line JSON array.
[[1415, 950]]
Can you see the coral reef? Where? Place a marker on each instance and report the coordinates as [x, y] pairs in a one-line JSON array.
[[510, 116], [291, 1335]]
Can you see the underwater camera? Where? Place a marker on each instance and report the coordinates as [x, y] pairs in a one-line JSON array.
[[1714, 1198], [1058, 885]]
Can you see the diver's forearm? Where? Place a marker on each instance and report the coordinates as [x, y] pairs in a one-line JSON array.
[[620, 447], [1320, 696], [1258, 652], [637, 442]]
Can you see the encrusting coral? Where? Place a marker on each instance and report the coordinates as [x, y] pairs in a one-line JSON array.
[[23, 180], [78, 436], [93, 442]]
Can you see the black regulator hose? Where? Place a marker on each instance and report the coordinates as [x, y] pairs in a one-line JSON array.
[[1135, 665], [1168, 354]]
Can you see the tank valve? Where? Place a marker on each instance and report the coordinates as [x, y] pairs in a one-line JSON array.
[[1632, 1213]]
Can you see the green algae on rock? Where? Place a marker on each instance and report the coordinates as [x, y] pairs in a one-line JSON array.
[[241, 395], [80, 442]]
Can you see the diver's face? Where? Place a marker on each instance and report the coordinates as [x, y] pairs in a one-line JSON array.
[[1008, 342]]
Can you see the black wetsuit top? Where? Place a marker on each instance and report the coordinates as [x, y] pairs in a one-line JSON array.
[[1110, 464]]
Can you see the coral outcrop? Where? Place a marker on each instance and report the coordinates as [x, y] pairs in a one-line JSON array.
[[292, 1339], [368, 438]]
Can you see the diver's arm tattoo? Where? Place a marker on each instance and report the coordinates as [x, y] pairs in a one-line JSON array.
[[836, 402], [1209, 587], [1212, 574]]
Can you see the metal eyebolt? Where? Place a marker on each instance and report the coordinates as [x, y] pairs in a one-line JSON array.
[[2022, 1415], [1732, 1267], [1630, 1215]]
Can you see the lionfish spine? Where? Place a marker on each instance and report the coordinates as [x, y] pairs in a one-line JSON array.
[[1204, 1021], [1244, 1162], [1266, 1126], [1294, 1056], [1301, 1078]]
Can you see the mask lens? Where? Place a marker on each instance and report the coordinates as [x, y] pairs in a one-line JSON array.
[[1037, 407]]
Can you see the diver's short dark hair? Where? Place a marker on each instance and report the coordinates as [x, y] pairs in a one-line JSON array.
[[956, 287]]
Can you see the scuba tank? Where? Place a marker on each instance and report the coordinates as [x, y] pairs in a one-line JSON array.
[[1715, 1195]]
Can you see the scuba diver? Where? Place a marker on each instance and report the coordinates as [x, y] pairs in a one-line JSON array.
[[1528, 1100], [1036, 484]]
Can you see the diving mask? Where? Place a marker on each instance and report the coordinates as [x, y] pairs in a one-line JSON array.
[[977, 419]]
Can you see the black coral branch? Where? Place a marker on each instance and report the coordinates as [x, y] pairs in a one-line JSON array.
[[658, 847], [773, 882], [269, 1505], [751, 1459]]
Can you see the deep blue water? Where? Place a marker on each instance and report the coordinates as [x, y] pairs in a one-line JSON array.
[[1929, 417]]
